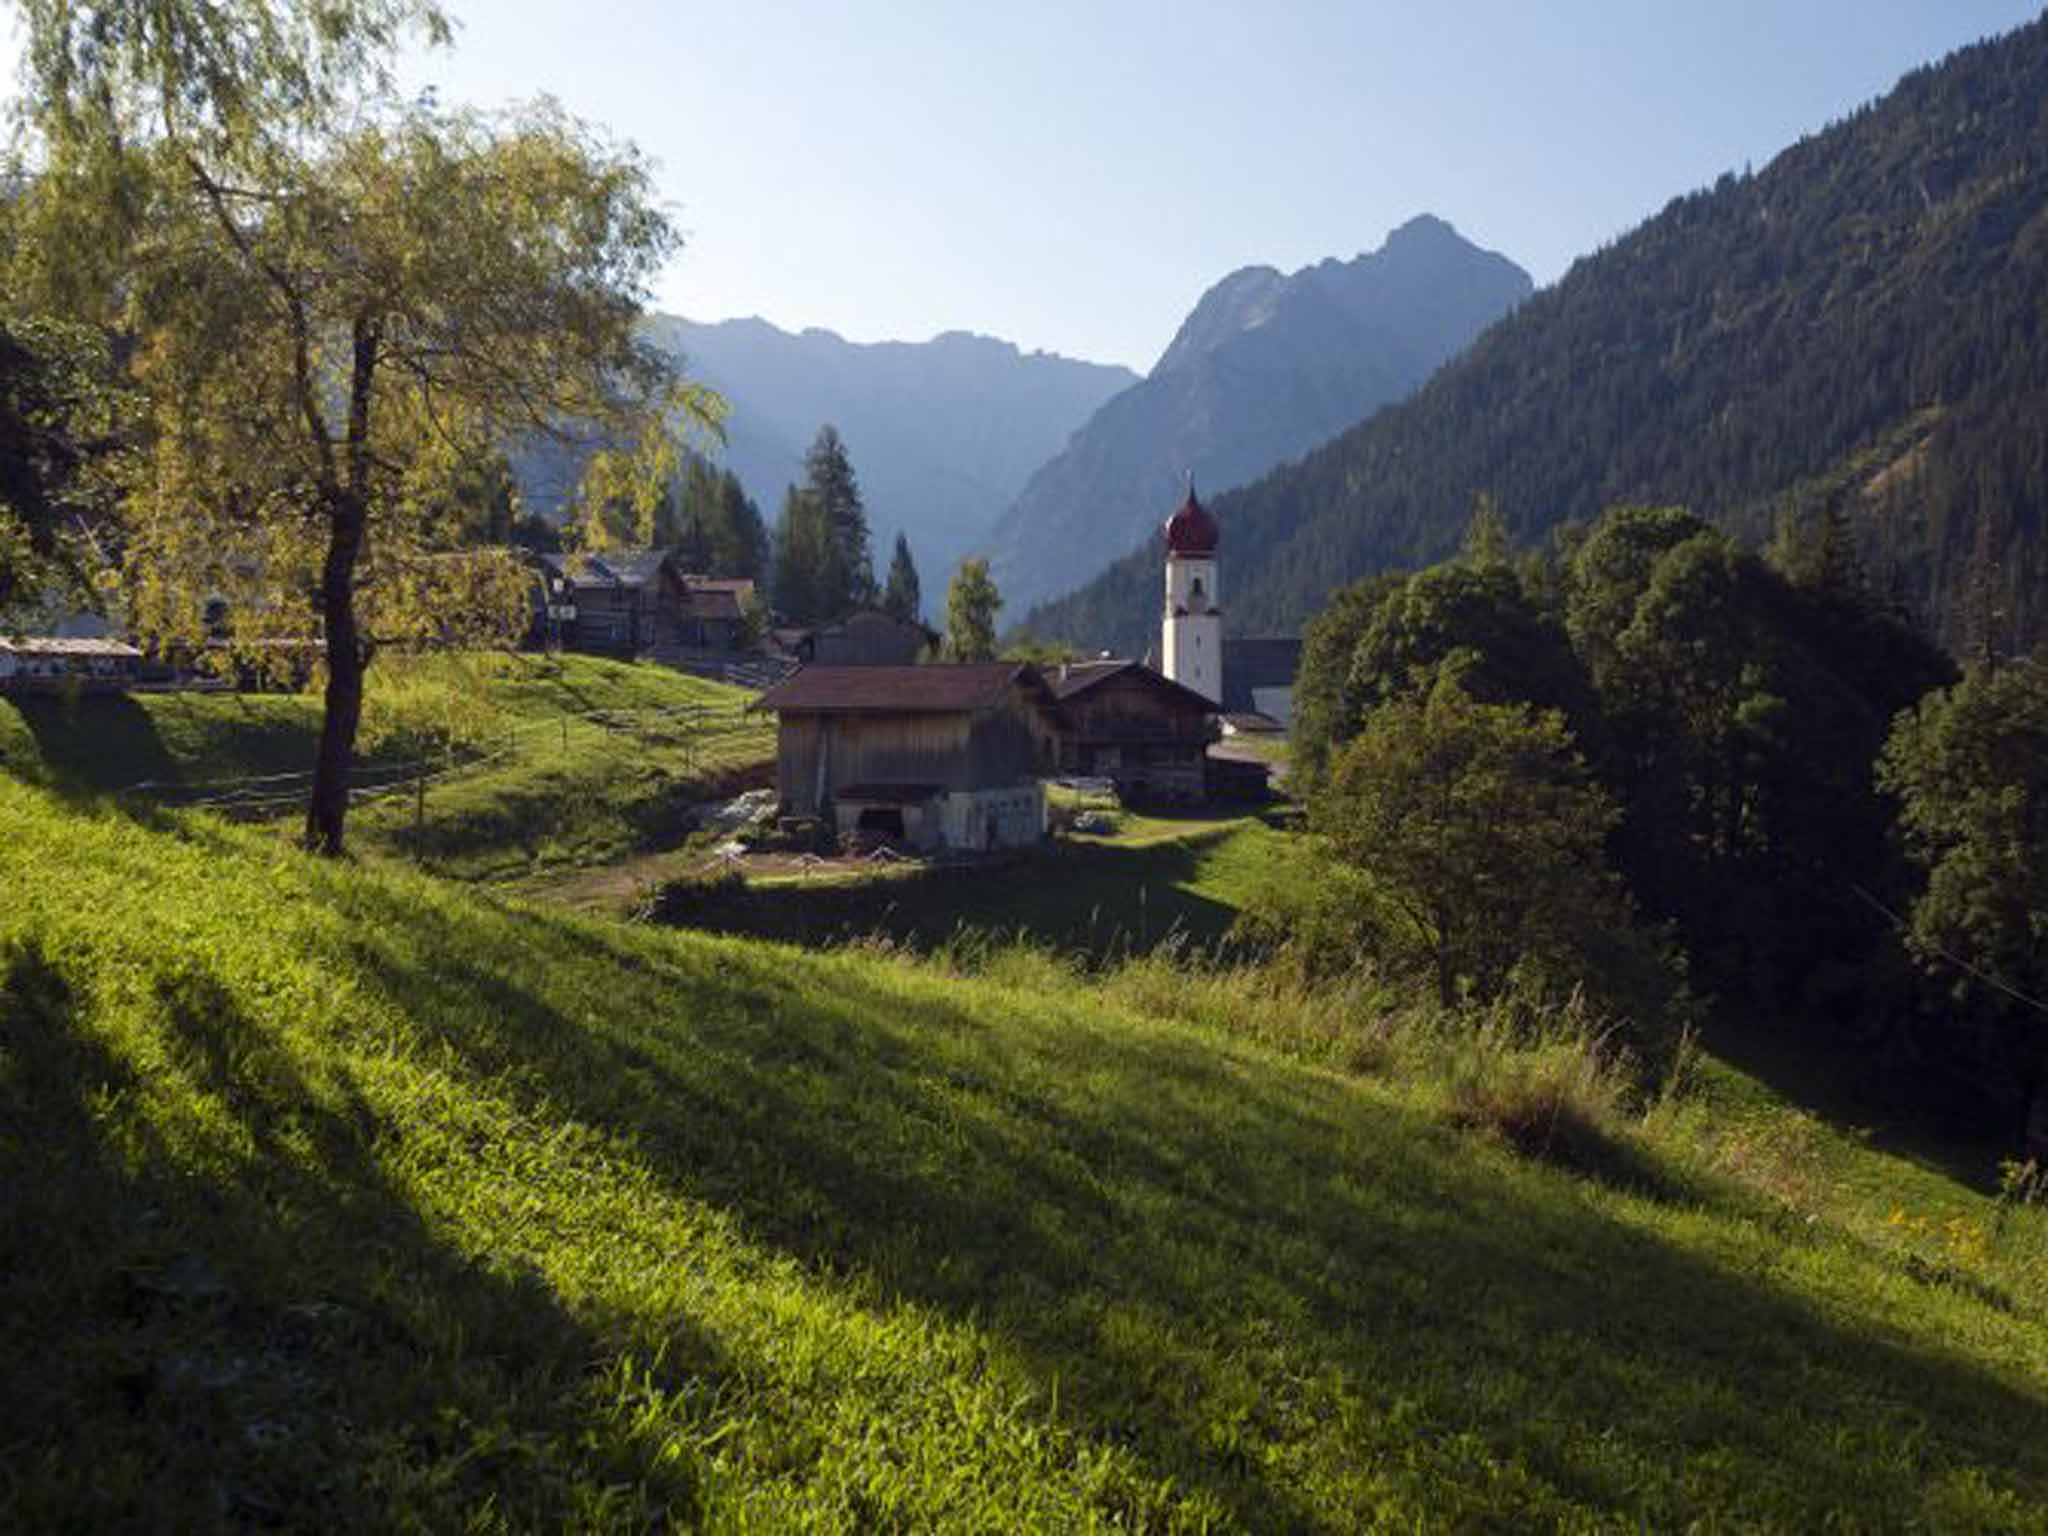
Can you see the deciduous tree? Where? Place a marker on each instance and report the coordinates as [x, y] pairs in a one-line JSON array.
[[335, 301], [972, 603]]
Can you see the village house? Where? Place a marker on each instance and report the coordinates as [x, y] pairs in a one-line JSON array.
[[49, 663], [935, 757], [637, 602], [1122, 721], [867, 637]]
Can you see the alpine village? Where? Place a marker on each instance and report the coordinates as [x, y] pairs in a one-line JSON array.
[[1430, 916]]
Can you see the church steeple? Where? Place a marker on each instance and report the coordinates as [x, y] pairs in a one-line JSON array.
[[1191, 631]]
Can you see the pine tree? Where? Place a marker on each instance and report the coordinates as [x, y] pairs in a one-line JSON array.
[[902, 599], [803, 560], [849, 575]]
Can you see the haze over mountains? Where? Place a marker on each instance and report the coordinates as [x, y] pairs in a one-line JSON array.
[[942, 433], [1854, 338], [1266, 366]]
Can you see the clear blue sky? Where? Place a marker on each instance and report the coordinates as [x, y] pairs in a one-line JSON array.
[[1073, 174]]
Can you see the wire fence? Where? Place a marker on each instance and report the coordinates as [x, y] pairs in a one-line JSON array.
[[693, 728]]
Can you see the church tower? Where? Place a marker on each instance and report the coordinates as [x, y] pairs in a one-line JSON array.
[[1191, 643]]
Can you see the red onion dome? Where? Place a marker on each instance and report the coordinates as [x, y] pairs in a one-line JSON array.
[[1191, 530]]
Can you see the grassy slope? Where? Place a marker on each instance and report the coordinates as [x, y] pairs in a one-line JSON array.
[[1098, 896], [591, 792], [331, 1196]]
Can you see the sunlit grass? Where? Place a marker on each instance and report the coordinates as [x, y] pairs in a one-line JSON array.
[[345, 1198]]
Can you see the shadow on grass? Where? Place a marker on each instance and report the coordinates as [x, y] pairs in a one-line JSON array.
[[1098, 901], [1208, 1265], [217, 1311]]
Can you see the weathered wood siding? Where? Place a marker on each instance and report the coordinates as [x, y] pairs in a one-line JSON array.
[[993, 749], [1127, 706]]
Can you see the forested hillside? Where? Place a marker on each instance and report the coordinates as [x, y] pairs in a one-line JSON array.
[[1859, 329], [943, 432]]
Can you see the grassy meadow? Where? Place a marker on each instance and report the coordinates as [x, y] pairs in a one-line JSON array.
[[348, 1197], [533, 764]]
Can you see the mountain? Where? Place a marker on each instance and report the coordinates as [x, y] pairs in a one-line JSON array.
[[942, 433], [1855, 337], [1266, 367]]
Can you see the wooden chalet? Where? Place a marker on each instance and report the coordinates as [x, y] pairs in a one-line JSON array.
[[1124, 722], [933, 757], [637, 602]]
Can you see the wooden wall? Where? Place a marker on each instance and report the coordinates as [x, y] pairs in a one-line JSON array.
[[990, 750]]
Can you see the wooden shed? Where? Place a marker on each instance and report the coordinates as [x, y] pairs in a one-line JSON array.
[[936, 757], [1124, 722]]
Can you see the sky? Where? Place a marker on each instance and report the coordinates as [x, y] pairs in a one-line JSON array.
[[1073, 176]]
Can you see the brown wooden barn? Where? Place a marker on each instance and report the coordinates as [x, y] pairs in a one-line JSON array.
[[638, 602], [1122, 721], [934, 757]]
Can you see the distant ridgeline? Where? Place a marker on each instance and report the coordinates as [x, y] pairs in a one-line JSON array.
[[942, 433], [1856, 335], [1265, 367]]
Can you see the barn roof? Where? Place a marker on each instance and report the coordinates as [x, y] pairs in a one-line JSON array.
[[1080, 676], [960, 688], [65, 645]]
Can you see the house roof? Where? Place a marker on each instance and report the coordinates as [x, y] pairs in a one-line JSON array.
[[1257, 661], [1078, 677], [67, 645], [607, 568], [960, 688]]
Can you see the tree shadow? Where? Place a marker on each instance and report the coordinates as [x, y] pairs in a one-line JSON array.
[[1169, 1239], [219, 1310], [1093, 901]]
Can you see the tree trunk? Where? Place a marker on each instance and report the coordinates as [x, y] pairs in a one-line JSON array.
[[347, 659]]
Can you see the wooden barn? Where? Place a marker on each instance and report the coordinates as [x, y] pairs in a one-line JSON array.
[[938, 757], [866, 638], [637, 602], [1124, 722]]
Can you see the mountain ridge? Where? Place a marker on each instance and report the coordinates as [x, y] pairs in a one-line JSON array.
[[1854, 332], [1265, 366]]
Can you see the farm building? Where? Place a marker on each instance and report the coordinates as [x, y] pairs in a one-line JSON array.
[[866, 638], [935, 757], [1122, 721], [638, 602], [42, 663]]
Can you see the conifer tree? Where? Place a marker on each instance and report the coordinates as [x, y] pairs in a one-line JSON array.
[[902, 599], [848, 577]]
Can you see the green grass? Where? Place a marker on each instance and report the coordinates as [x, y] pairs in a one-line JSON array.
[[1152, 879], [538, 763], [340, 1197]]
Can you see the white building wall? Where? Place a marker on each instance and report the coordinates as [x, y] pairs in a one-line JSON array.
[[1191, 636]]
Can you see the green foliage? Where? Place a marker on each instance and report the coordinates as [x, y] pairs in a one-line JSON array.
[[1969, 766], [972, 603], [1480, 837], [901, 598], [62, 420], [1853, 332], [338, 305], [712, 525]]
